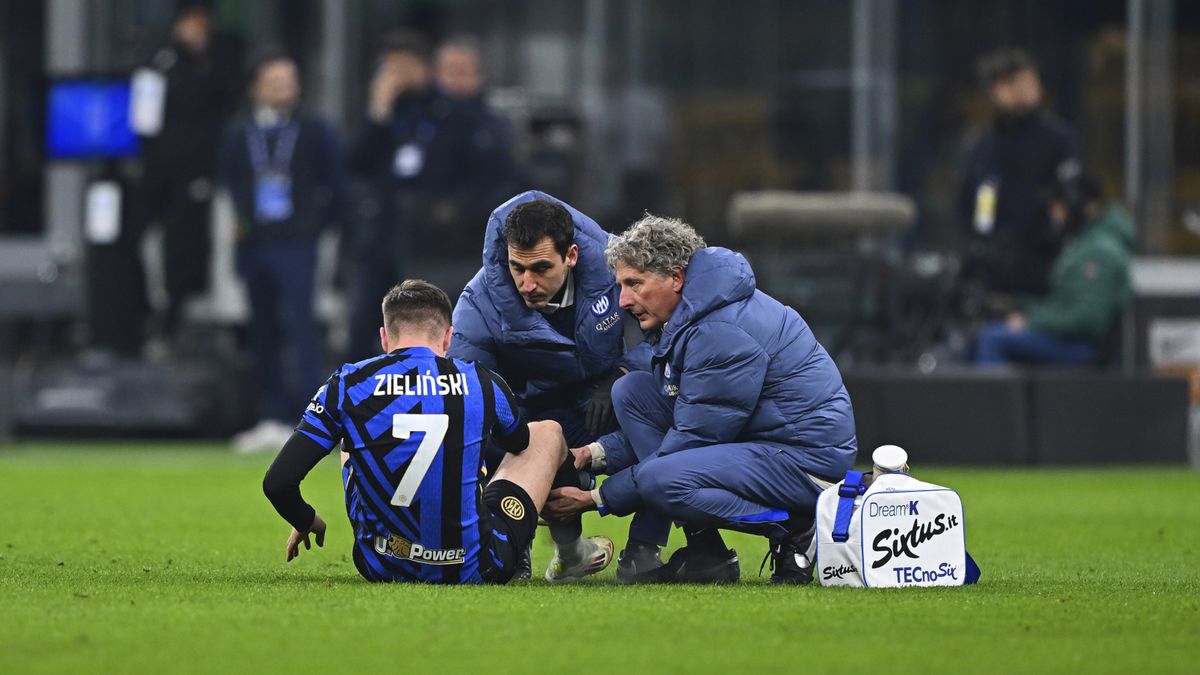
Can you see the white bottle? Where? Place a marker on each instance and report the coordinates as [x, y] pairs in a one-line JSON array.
[[889, 459]]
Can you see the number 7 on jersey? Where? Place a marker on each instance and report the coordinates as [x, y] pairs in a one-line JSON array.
[[434, 426]]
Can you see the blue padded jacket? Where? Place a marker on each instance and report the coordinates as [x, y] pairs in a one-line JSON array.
[[493, 327], [741, 366]]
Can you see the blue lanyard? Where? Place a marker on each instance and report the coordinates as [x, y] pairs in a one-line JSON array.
[[285, 147]]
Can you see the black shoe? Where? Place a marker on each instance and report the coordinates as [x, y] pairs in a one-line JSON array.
[[691, 565], [789, 559], [639, 563], [524, 564]]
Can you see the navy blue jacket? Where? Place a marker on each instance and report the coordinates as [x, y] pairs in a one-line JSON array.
[[318, 181], [1022, 157], [741, 366], [494, 328]]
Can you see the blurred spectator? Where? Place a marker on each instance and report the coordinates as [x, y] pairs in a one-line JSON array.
[[1089, 285], [283, 168], [398, 111], [437, 160], [469, 171], [1012, 245], [199, 71]]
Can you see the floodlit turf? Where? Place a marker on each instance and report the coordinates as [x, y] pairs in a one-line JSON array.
[[166, 558]]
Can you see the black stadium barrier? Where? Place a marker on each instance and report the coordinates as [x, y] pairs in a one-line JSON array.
[[954, 418], [962, 417], [1015, 417], [113, 397], [1103, 418]]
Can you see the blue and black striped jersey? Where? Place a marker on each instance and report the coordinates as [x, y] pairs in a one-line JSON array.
[[414, 425]]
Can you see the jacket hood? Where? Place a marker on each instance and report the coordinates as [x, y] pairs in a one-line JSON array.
[[715, 277], [591, 274], [1113, 221]]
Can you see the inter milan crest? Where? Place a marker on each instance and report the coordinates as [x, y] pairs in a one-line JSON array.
[[512, 507], [600, 306]]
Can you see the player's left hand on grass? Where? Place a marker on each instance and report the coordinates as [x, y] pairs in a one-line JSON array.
[[293, 543], [567, 501]]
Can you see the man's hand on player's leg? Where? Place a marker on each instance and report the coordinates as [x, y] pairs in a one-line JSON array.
[[293, 543], [582, 457], [565, 502]]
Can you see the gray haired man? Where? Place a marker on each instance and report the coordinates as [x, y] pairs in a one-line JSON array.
[[740, 421]]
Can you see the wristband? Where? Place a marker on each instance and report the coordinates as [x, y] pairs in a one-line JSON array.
[[599, 461]]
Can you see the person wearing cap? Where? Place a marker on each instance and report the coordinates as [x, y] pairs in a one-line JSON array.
[[1089, 284], [738, 421]]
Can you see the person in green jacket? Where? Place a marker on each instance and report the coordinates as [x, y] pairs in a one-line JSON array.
[[1089, 284]]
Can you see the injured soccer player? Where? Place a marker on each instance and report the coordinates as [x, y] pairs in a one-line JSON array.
[[418, 497]]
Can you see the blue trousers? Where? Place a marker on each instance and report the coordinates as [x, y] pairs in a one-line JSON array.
[[279, 281], [997, 344], [752, 486]]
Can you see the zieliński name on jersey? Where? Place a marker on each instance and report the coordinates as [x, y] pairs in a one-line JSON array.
[[397, 384]]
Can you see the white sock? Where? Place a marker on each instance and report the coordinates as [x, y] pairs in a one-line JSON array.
[[573, 552]]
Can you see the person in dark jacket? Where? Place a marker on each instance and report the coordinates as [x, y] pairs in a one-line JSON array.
[[471, 166], [437, 158], [283, 169], [739, 423], [1011, 244], [1089, 285], [542, 313], [200, 71], [399, 108]]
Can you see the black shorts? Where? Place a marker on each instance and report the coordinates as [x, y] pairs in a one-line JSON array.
[[506, 527]]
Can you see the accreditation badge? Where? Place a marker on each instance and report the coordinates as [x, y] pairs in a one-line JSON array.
[[273, 197], [409, 160], [985, 207]]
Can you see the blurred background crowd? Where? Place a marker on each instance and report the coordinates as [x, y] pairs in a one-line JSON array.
[[202, 202]]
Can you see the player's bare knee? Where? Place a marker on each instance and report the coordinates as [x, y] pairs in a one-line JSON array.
[[547, 436]]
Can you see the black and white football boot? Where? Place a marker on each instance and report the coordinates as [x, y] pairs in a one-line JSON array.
[[790, 562]]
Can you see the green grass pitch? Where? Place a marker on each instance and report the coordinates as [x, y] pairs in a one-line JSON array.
[[150, 557]]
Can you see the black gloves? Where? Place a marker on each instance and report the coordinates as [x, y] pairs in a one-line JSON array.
[[599, 414]]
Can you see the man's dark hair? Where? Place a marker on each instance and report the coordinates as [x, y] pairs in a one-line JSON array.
[[264, 56], [1003, 64], [533, 221], [404, 40], [416, 303]]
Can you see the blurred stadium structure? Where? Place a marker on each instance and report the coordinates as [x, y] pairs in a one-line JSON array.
[[765, 123]]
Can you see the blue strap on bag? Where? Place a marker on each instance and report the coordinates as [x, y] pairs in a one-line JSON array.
[[848, 491]]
